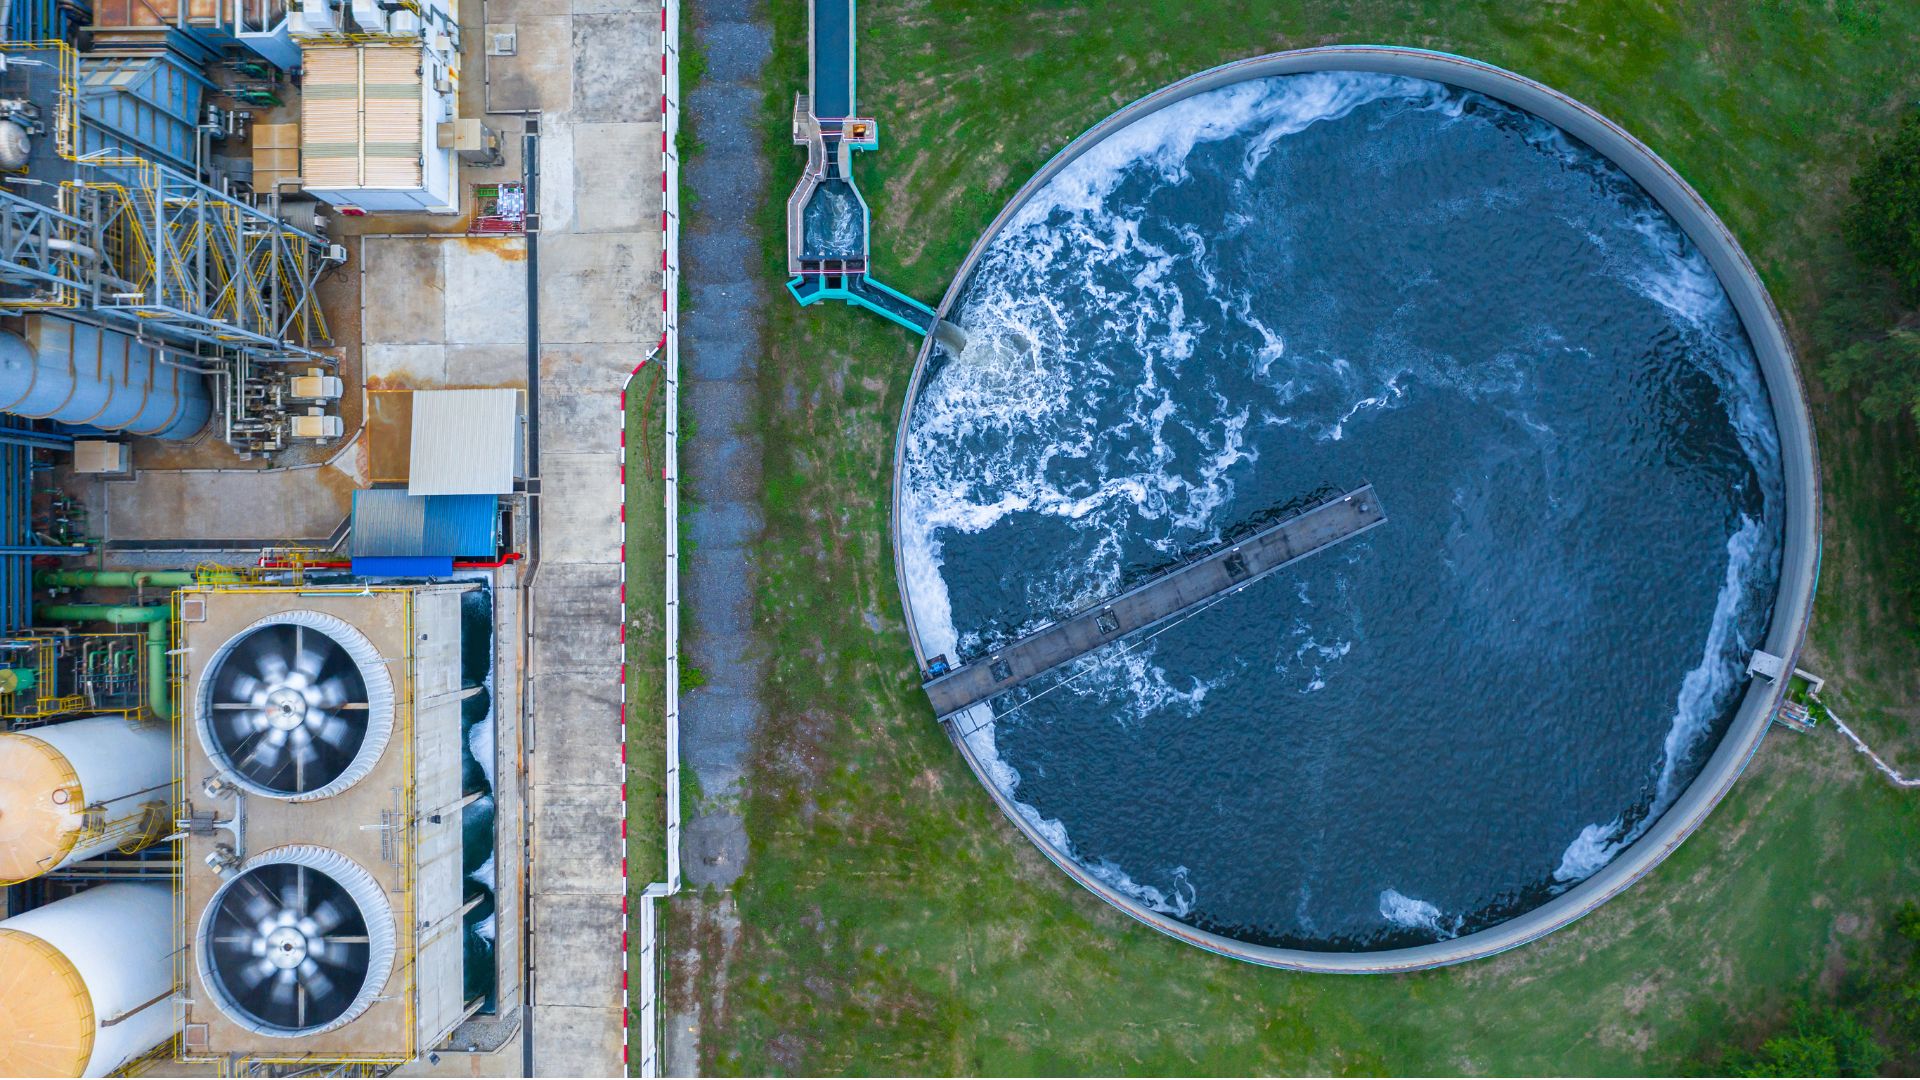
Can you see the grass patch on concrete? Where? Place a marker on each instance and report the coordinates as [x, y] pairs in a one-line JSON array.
[[891, 921], [646, 686]]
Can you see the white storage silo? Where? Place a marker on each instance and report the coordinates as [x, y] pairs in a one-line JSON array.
[[78, 789], [86, 983]]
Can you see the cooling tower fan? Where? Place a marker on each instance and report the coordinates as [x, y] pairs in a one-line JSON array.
[[297, 942], [321, 896], [297, 706]]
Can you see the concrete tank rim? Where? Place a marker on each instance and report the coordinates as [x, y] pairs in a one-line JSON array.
[[1799, 571]]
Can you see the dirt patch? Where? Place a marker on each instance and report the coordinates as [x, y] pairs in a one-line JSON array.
[[506, 249], [794, 750]]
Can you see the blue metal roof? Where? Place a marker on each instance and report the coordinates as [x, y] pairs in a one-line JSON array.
[[390, 566], [389, 523]]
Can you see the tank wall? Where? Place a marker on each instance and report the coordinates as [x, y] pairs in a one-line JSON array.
[[1800, 564], [121, 765], [79, 374], [119, 938]]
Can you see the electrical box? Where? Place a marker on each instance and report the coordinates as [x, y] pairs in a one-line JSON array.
[[475, 142], [101, 457], [316, 424], [315, 386]]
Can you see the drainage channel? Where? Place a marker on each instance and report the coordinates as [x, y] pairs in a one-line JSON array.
[[829, 228]]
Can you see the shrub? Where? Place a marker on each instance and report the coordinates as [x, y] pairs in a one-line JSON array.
[[1819, 1041], [1883, 224]]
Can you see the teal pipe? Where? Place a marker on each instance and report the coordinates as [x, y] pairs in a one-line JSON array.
[[113, 579], [156, 617]]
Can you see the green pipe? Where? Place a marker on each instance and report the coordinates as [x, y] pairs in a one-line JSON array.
[[156, 617], [113, 579]]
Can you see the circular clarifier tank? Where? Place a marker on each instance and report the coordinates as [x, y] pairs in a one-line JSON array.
[[1282, 279]]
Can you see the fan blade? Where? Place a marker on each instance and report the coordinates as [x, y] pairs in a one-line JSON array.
[[334, 731], [284, 986], [243, 687], [253, 975], [326, 915], [341, 960], [309, 664], [246, 723], [273, 668], [236, 944], [330, 693], [266, 752], [316, 980], [262, 902]]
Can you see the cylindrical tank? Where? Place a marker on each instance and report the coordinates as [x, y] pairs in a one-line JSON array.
[[16, 146], [86, 983], [79, 374], [82, 788]]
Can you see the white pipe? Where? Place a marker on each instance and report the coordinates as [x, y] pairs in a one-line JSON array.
[[119, 939], [121, 767]]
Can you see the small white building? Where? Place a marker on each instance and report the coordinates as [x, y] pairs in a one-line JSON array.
[[373, 105]]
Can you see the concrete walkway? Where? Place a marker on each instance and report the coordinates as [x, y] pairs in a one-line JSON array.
[[591, 69]]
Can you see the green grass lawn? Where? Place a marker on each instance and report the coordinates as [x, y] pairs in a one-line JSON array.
[[891, 921], [646, 632]]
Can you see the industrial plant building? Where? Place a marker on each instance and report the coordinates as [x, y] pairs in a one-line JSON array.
[[272, 359]]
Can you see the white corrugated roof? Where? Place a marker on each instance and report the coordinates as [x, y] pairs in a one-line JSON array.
[[465, 442]]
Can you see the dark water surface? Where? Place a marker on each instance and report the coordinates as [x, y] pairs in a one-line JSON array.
[[477, 761], [1299, 284]]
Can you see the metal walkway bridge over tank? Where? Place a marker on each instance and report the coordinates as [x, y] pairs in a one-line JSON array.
[[1171, 595]]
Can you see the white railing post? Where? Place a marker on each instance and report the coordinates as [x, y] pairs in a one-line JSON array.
[[644, 984]]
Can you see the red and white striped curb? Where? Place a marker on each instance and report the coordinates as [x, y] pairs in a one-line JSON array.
[[667, 354]]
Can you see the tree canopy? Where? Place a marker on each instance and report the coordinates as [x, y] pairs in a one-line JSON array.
[[1818, 1042], [1883, 224]]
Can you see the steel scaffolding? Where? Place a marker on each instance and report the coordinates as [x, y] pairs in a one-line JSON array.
[[113, 237]]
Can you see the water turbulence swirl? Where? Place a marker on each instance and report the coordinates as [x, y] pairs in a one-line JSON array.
[[1289, 286]]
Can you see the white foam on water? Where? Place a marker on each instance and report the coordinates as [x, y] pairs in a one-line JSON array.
[[1142, 686], [1594, 848], [486, 928], [480, 744], [1176, 901], [1664, 265], [1413, 914], [1162, 141], [484, 873], [1716, 675], [1702, 693]]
